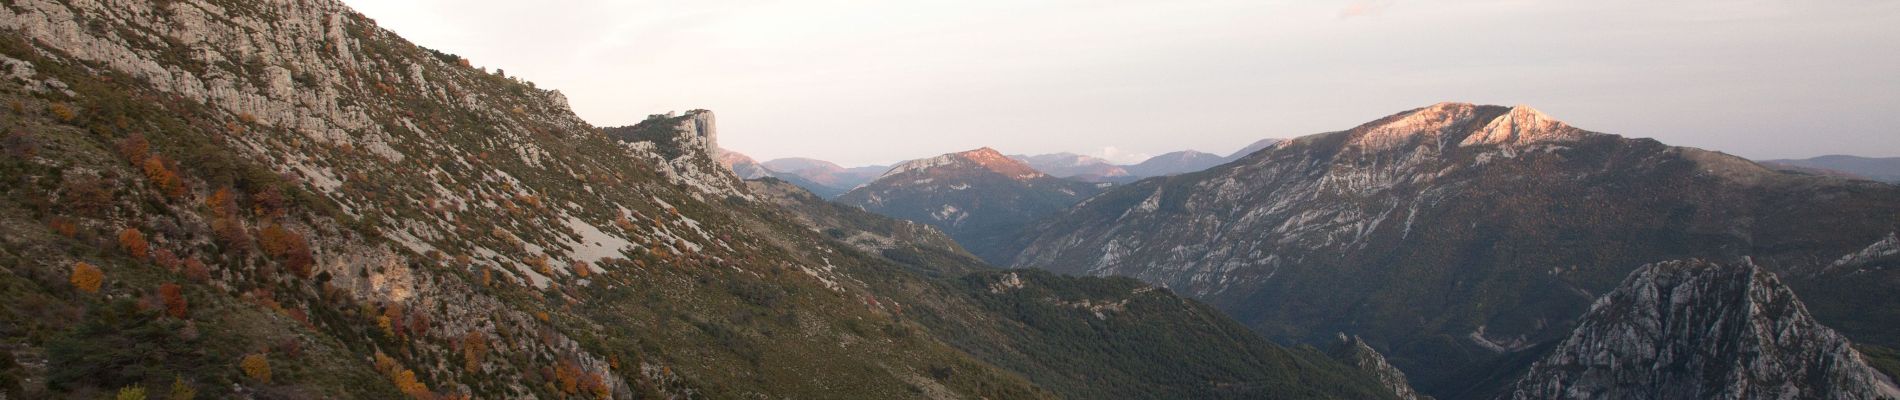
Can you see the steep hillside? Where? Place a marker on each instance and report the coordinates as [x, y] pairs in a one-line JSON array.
[[1457, 238], [911, 244], [1176, 163], [979, 197], [1076, 166], [282, 200], [1700, 330], [1082, 337]]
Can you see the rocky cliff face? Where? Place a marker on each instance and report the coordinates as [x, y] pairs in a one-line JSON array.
[[1355, 352], [686, 147], [1702, 330], [980, 197], [1462, 236]]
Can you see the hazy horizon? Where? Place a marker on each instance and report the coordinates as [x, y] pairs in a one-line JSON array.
[[862, 83]]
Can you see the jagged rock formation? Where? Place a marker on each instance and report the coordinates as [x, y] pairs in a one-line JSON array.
[[980, 197], [1355, 352], [1076, 166], [1175, 163], [1700, 330], [1463, 237], [686, 147]]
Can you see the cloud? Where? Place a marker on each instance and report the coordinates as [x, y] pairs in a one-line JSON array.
[[1365, 8]]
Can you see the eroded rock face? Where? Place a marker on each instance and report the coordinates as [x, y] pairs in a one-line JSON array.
[[1701, 330], [1355, 352]]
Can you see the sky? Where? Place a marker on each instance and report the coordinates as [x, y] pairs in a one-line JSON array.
[[862, 82]]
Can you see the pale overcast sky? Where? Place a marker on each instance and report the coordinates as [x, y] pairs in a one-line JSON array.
[[876, 81]]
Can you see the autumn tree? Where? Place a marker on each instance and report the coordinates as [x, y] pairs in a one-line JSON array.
[[196, 271], [166, 258], [135, 148], [474, 346], [568, 375], [174, 297], [230, 233], [64, 226], [164, 176], [390, 320], [87, 278], [182, 390], [289, 246], [223, 203], [64, 112], [256, 366], [581, 269], [406, 382], [133, 392], [133, 242]]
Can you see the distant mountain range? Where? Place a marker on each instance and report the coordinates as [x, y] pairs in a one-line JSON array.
[[829, 180], [1880, 169], [980, 197]]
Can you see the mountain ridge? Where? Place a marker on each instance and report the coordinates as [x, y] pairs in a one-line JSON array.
[[1451, 257]]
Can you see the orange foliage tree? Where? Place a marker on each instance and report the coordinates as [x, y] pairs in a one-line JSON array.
[[289, 246], [196, 271], [133, 242], [87, 278], [162, 174], [223, 203], [407, 383], [581, 269], [174, 297], [64, 226]]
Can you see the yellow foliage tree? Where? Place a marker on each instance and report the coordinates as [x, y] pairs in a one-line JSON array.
[[87, 278], [474, 346], [63, 111], [182, 390], [256, 366], [131, 393]]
